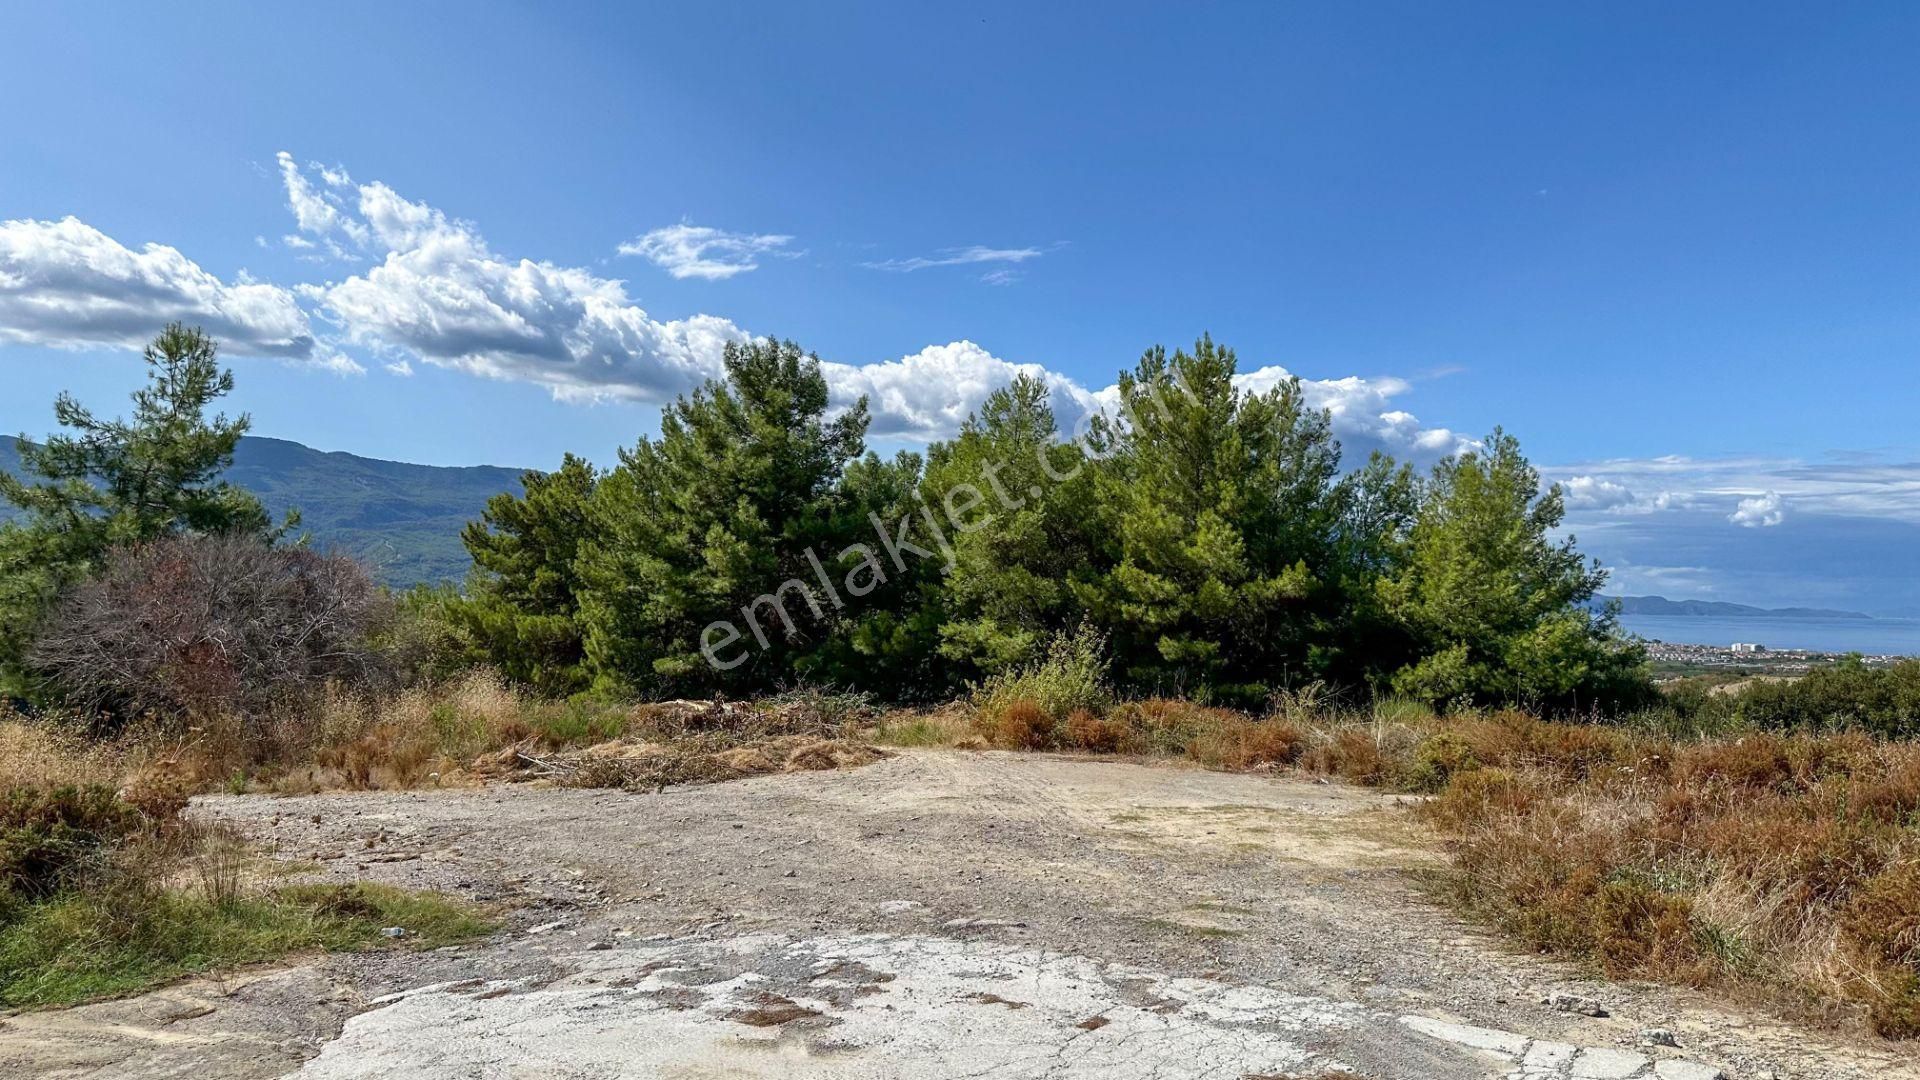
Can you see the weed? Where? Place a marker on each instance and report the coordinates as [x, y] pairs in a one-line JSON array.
[[1438, 758], [1070, 675], [84, 946], [1093, 733], [52, 838]]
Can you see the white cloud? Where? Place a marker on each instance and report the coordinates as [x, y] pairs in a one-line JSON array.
[[318, 213], [400, 368], [929, 394], [1855, 485], [443, 295], [1759, 512], [1639, 579], [1611, 496], [65, 283], [696, 251], [961, 256], [1595, 493], [439, 293], [1363, 416]]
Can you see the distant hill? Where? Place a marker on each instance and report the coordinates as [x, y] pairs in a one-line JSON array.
[[405, 520], [1660, 605]]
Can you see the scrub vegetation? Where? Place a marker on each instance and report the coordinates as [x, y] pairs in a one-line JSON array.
[[753, 590]]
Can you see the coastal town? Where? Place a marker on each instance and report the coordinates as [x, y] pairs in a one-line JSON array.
[[1678, 659]]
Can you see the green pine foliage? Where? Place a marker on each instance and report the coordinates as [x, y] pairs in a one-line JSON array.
[[699, 535], [1215, 510], [1022, 502], [1499, 608], [1205, 535], [522, 606]]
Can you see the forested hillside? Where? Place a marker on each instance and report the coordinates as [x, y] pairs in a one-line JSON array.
[[403, 520]]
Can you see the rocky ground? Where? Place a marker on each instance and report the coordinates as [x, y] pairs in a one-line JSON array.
[[939, 914]]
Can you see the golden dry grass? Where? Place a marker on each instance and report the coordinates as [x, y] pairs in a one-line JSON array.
[[37, 756], [463, 732], [1782, 866], [1788, 865]]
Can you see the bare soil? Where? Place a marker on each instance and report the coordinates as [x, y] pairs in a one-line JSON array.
[[1005, 915]]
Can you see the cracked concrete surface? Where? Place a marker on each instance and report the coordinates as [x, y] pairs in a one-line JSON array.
[[980, 914]]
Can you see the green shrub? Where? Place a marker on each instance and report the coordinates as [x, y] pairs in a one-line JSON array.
[[49, 838], [1846, 696], [1399, 710], [581, 720], [1070, 675], [915, 731], [1439, 758]]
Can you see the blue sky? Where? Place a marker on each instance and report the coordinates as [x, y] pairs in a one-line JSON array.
[[1674, 250]]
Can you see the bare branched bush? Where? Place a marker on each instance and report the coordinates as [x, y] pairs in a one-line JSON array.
[[212, 626]]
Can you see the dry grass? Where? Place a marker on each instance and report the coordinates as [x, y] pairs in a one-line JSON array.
[[106, 892], [33, 756], [1779, 862], [1788, 865], [950, 725], [461, 733], [1782, 866], [106, 889]]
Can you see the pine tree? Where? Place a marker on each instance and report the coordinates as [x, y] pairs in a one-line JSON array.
[[1020, 541], [522, 606], [113, 482], [746, 477], [1219, 511], [886, 641], [1357, 642], [1500, 609]]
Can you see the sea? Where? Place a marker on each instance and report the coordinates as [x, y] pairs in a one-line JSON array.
[[1874, 637]]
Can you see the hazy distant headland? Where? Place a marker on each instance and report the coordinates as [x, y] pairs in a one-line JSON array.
[[1718, 609]]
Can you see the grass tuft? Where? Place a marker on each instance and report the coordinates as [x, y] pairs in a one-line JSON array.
[[86, 946]]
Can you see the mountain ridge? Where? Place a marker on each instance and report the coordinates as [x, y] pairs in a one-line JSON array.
[[404, 520], [1660, 605]]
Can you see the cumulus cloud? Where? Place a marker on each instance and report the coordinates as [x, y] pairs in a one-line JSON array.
[[960, 256], [440, 294], [65, 283], [1600, 493], [696, 251], [1595, 493], [1759, 512], [929, 394], [1363, 414]]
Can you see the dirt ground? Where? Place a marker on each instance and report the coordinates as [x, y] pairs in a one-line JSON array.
[[937, 914]]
